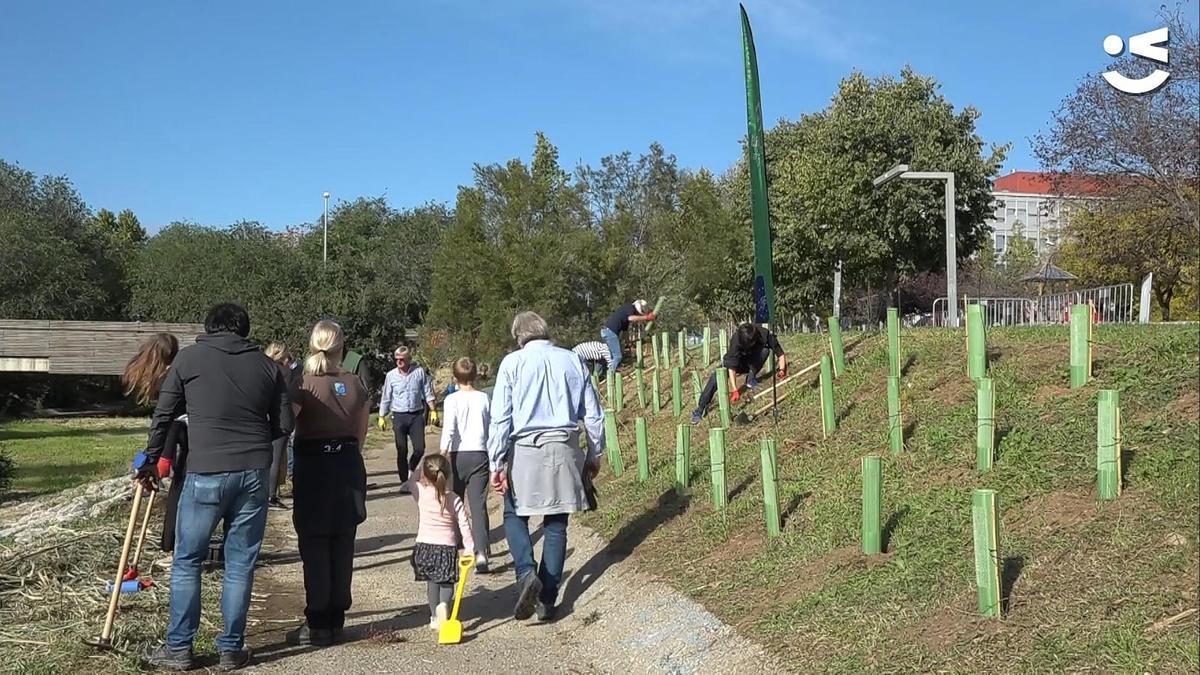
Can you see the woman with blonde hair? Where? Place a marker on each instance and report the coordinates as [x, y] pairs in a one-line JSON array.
[[329, 482], [280, 354]]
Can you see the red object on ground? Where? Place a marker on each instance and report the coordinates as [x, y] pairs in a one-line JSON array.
[[735, 396]]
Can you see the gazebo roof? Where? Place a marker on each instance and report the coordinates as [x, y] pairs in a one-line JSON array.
[[1049, 272]]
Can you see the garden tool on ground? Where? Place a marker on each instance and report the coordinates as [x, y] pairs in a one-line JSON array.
[[450, 632]]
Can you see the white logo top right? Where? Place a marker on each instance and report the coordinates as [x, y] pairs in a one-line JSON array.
[[1147, 46]]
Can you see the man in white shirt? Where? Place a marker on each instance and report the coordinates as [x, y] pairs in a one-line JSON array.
[[464, 438]]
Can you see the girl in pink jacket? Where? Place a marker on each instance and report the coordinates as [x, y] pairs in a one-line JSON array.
[[441, 525]]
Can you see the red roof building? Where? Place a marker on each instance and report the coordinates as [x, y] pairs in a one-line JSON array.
[[1035, 205]]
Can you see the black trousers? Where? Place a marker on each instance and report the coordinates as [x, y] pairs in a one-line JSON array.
[[752, 364], [408, 427], [471, 475], [328, 561]]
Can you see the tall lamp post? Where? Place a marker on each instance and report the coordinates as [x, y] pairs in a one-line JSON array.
[[325, 234], [901, 171]]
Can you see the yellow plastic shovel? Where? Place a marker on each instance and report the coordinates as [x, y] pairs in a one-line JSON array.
[[450, 632]]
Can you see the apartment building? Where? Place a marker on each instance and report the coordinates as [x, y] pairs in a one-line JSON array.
[[1034, 205]]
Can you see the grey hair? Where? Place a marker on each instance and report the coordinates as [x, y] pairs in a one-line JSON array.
[[402, 349], [528, 326]]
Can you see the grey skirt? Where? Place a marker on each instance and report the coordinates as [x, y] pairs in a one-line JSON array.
[[546, 474]]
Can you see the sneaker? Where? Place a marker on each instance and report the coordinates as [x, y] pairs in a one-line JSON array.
[[545, 613], [481, 564], [697, 415], [528, 588], [168, 659], [404, 489], [751, 382], [276, 503], [304, 636], [440, 614], [234, 660]]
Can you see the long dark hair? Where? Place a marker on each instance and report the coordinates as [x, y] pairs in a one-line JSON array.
[[144, 373]]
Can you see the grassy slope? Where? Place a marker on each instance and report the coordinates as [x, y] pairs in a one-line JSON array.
[[53, 455], [1086, 579]]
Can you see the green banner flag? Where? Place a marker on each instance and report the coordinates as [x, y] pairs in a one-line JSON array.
[[764, 282]]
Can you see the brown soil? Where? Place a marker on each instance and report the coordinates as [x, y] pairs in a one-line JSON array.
[[1049, 392], [952, 389], [1057, 510], [957, 624], [1187, 405]]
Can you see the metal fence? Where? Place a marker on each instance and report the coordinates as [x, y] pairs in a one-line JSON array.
[[1113, 304]]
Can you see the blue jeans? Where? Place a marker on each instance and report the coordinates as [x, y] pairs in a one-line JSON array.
[[240, 498], [614, 346], [554, 548]]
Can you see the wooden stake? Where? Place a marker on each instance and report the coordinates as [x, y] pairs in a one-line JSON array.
[[770, 482], [985, 423], [716, 452], [895, 423], [643, 449], [893, 334], [683, 458], [872, 496], [984, 508], [828, 418], [1108, 444]]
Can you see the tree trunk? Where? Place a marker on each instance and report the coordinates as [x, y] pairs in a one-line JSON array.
[[1164, 295]]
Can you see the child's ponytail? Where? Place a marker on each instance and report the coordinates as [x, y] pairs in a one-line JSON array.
[[435, 470]]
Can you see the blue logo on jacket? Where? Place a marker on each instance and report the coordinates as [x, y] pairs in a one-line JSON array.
[[339, 388]]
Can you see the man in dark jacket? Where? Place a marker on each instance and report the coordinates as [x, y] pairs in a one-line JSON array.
[[748, 352], [236, 400]]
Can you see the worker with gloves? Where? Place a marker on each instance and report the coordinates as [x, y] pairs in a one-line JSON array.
[[618, 322], [748, 352], [407, 395]]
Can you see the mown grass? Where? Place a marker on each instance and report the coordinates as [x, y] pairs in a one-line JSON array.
[[1084, 580], [55, 455]]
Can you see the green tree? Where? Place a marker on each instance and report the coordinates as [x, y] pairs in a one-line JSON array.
[[1020, 256], [824, 207]]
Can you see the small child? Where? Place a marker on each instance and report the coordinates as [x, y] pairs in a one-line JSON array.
[[441, 520], [464, 440]]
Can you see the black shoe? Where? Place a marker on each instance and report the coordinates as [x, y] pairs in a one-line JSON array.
[[168, 659], [545, 613], [234, 660], [276, 503], [304, 636], [528, 588]]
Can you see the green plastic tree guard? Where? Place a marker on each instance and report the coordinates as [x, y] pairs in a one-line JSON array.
[[1081, 347], [895, 422], [683, 458], [985, 415], [654, 350], [613, 443], [655, 396], [643, 448], [976, 343], [618, 394], [835, 347], [723, 396], [872, 497], [677, 391], [707, 346], [682, 349], [1108, 444], [665, 343], [609, 381], [657, 308], [638, 361], [770, 481], [984, 509], [696, 386], [641, 387], [716, 453], [828, 419], [893, 336], [722, 343]]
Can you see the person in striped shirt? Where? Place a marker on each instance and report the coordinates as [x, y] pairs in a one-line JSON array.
[[595, 355]]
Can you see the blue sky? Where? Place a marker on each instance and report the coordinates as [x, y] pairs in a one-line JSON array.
[[220, 111]]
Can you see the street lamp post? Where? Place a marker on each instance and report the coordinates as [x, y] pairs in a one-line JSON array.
[[325, 234], [901, 171]]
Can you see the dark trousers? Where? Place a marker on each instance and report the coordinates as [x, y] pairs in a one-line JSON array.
[[409, 426], [328, 561], [471, 476], [752, 364]]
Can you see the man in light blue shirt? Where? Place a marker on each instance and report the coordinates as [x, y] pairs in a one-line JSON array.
[[538, 464], [407, 390]]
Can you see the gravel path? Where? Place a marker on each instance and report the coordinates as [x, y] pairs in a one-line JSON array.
[[613, 619]]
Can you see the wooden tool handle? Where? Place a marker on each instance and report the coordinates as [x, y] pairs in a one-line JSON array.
[[106, 634], [141, 541]]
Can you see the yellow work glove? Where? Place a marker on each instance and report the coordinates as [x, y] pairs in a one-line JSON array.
[[434, 418], [382, 423]]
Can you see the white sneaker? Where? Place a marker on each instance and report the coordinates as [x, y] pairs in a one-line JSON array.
[[440, 615], [481, 563]]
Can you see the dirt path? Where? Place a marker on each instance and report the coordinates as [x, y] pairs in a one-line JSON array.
[[613, 619]]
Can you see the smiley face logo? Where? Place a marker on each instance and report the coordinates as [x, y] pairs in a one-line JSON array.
[[1144, 45]]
